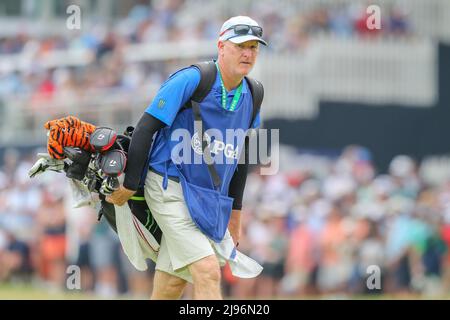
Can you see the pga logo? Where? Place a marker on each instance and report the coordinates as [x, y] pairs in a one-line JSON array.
[[228, 149], [197, 144]]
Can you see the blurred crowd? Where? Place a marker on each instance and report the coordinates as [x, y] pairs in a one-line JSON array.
[[286, 27], [324, 227], [318, 229]]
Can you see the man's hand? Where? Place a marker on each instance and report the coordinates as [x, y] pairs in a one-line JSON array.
[[234, 226], [120, 196]]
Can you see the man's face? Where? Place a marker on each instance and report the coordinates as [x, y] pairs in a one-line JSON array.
[[239, 58]]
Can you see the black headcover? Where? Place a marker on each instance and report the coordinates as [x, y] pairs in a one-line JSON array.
[[113, 162], [103, 138], [80, 162]]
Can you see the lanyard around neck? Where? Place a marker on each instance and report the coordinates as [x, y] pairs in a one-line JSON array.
[[236, 97]]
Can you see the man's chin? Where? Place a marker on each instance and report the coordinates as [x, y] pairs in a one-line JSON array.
[[245, 69]]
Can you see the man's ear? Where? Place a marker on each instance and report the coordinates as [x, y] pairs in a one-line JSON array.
[[220, 47]]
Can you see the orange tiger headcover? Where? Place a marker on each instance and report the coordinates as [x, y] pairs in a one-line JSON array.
[[67, 132]]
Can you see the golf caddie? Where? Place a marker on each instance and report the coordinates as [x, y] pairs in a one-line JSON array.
[[186, 151]]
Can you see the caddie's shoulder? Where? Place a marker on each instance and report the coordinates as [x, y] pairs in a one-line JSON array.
[[188, 74]]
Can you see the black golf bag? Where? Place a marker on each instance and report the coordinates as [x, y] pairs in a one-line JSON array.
[[99, 172]]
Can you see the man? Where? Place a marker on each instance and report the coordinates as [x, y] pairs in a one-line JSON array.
[[186, 253]]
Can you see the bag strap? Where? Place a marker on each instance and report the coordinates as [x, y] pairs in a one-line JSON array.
[[208, 73], [206, 152], [257, 91]]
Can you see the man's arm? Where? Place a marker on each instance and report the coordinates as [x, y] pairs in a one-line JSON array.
[[236, 191], [140, 145], [234, 226]]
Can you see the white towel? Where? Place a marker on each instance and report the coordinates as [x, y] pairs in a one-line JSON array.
[[139, 244]]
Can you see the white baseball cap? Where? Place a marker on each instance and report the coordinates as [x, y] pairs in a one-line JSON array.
[[240, 29]]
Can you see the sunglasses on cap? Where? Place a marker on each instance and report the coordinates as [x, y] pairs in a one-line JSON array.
[[244, 29]]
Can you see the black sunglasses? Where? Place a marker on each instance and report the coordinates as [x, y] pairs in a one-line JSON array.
[[243, 29]]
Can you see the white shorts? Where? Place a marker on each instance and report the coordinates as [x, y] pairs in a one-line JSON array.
[[182, 242]]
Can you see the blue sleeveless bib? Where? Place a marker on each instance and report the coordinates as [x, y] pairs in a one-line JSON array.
[[209, 208]]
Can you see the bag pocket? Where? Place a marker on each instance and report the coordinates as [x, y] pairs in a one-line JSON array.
[[209, 210]]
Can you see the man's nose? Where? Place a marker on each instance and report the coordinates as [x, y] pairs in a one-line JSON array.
[[247, 52]]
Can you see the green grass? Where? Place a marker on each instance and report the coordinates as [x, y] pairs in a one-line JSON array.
[[28, 292]]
